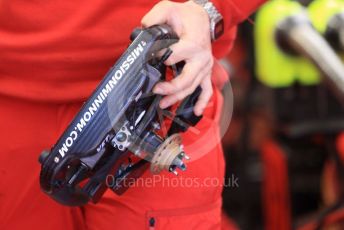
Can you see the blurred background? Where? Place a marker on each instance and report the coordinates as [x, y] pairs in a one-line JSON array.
[[284, 143]]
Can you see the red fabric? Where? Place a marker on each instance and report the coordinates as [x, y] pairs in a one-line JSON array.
[[334, 219], [58, 51], [52, 55], [228, 223], [277, 213], [235, 11], [340, 146]]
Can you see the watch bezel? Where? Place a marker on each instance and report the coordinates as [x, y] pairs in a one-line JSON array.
[[215, 25], [215, 18]]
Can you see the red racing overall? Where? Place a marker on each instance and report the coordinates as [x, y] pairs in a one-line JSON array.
[[53, 53]]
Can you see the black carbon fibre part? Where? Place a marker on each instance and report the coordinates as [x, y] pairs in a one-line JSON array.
[[76, 169]]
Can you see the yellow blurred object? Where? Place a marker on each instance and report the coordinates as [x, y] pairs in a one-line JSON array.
[[320, 12], [274, 67]]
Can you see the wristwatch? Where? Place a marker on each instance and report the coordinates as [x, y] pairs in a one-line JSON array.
[[217, 26]]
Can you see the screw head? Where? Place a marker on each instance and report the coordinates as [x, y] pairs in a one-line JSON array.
[[56, 159], [156, 125], [121, 137]]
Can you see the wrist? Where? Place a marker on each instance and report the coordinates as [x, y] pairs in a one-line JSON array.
[[216, 21]]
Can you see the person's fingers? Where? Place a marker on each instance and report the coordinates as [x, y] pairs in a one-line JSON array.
[[174, 98], [207, 92], [190, 71], [182, 50], [161, 13]]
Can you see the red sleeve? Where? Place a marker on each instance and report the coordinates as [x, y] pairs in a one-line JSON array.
[[235, 11]]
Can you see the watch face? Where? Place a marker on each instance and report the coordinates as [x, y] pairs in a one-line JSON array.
[[219, 29]]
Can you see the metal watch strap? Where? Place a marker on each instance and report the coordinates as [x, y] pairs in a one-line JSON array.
[[216, 19]]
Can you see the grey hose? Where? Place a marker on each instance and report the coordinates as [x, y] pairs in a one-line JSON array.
[[297, 33]]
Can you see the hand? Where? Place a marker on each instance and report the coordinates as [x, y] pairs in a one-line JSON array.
[[191, 23]]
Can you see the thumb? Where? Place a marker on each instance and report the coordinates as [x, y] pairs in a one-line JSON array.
[[163, 13]]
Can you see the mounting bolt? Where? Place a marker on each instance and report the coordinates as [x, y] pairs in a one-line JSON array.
[[56, 159], [156, 125], [121, 137]]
